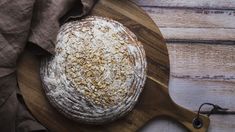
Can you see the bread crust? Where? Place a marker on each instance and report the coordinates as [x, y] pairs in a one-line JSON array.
[[97, 73]]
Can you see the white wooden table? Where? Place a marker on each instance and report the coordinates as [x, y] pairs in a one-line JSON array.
[[200, 37]]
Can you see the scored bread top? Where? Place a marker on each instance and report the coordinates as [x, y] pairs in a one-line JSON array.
[[98, 70]]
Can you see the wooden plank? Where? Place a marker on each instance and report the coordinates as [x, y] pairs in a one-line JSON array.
[[191, 86], [195, 25], [191, 93], [219, 4], [219, 123], [202, 61], [202, 73], [204, 35], [222, 123], [192, 18]]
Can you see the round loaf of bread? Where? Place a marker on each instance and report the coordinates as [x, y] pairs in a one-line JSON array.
[[97, 72]]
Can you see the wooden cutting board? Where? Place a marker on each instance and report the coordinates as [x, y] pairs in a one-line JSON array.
[[154, 100]]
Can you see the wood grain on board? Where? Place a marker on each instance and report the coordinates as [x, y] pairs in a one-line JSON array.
[[200, 37]]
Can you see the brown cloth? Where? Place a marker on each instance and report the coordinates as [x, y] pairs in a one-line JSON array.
[[21, 22]]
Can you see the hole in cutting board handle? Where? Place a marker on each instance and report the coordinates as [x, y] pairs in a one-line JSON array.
[[197, 123]]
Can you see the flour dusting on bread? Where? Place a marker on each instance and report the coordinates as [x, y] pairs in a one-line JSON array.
[[98, 70]]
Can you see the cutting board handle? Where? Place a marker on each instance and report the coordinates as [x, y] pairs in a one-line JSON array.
[[188, 119], [167, 107]]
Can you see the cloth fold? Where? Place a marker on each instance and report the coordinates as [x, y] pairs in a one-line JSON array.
[[21, 22]]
